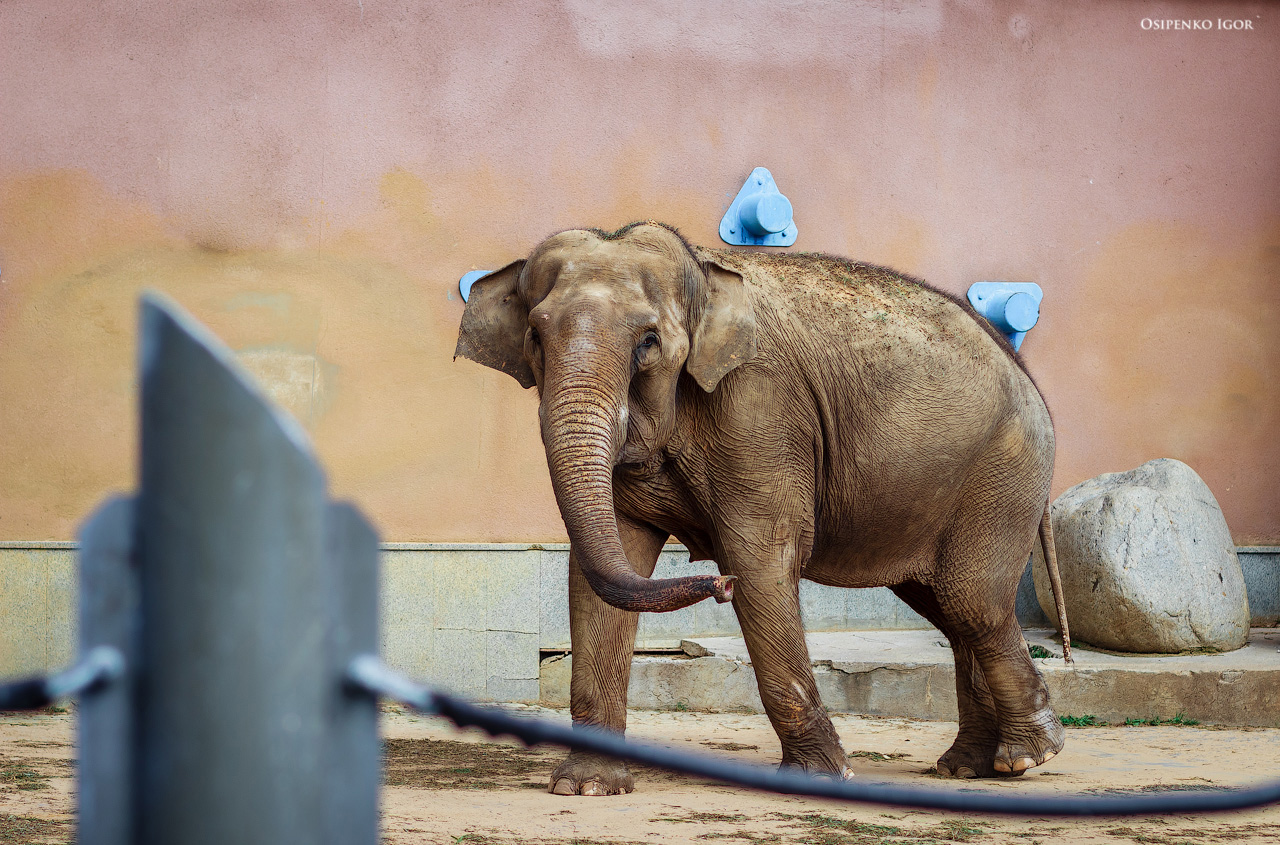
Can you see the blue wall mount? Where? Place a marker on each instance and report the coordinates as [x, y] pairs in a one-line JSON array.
[[759, 215], [469, 279], [1012, 307]]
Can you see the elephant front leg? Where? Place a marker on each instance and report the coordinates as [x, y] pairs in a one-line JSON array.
[[768, 608], [602, 639]]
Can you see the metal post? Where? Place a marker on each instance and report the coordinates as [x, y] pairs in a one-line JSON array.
[[252, 593], [108, 616], [355, 765]]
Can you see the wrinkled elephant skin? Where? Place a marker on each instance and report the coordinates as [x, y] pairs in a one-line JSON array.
[[788, 416]]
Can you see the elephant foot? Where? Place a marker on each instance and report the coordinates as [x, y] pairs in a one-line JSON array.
[[591, 774], [829, 762], [1016, 761], [974, 755], [1029, 745], [845, 773], [967, 760], [1012, 754]]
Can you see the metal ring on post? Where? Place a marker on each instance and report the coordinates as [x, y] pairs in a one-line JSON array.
[[99, 667], [102, 665]]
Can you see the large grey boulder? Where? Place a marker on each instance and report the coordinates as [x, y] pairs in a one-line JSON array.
[[1148, 564]]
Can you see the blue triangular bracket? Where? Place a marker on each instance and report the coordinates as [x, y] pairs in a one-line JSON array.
[[465, 283], [759, 215], [1012, 307]]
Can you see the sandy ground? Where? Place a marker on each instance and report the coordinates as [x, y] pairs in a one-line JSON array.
[[444, 786]]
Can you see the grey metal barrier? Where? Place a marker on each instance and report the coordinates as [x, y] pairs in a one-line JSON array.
[[229, 684], [236, 594]]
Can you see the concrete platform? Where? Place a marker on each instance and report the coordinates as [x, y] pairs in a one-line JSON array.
[[910, 673]]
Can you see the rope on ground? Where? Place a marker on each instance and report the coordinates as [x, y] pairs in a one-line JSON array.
[[369, 674]]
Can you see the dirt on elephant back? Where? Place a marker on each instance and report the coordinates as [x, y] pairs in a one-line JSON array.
[[445, 786]]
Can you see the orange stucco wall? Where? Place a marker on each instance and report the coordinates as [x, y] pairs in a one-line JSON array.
[[311, 179]]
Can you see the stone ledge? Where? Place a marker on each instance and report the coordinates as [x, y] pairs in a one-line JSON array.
[[911, 674]]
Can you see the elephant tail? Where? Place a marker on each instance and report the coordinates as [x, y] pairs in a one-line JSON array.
[[1055, 580]]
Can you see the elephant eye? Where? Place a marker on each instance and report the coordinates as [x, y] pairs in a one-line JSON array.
[[650, 340], [535, 337]]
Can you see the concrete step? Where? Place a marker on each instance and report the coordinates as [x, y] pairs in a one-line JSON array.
[[911, 674]]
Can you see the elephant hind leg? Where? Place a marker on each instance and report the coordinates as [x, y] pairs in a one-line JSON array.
[[980, 561], [1029, 732], [1006, 724], [974, 750]]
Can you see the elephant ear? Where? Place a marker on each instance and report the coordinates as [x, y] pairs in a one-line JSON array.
[[494, 325], [725, 336]]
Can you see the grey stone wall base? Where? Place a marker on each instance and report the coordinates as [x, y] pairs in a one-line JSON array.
[[1261, 566], [38, 594], [475, 618], [916, 679]]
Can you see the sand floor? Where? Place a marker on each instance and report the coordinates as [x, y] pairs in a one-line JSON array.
[[445, 786]]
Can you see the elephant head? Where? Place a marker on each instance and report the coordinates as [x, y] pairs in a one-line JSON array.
[[604, 325]]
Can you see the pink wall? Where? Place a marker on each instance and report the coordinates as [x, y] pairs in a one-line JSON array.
[[311, 180]]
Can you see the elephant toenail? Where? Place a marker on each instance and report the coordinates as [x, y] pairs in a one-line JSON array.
[[564, 786], [1001, 766], [1049, 755], [965, 772], [1022, 764], [594, 787]]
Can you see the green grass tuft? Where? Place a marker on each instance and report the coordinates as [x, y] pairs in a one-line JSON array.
[[1179, 720], [1081, 721], [876, 756], [818, 821], [20, 775]]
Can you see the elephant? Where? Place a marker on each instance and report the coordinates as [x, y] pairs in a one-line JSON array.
[[785, 415]]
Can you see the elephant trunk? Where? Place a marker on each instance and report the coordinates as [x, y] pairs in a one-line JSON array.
[[583, 431]]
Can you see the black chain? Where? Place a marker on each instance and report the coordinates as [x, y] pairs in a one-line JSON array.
[[100, 666], [369, 674]]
